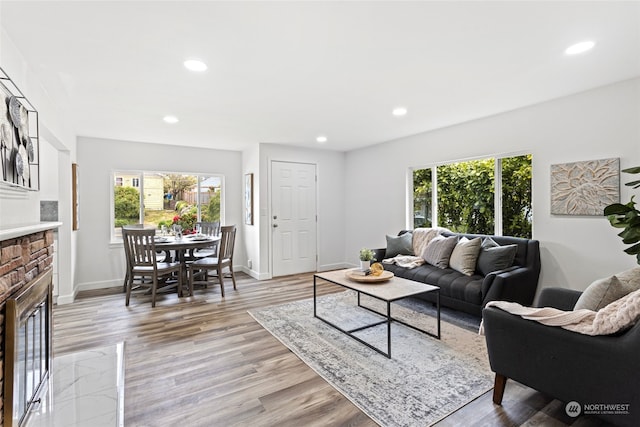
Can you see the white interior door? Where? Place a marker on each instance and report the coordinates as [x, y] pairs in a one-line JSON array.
[[293, 217]]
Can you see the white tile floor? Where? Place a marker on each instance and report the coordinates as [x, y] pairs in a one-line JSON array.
[[86, 389]]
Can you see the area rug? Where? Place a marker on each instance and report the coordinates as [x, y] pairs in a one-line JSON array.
[[425, 380]]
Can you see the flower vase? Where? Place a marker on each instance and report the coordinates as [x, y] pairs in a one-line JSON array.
[[365, 265]]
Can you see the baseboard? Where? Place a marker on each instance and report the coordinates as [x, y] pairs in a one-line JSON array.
[[66, 299], [256, 275], [336, 266], [89, 286]]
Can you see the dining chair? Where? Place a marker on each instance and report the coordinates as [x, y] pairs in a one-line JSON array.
[[140, 245], [127, 255], [223, 260], [208, 229]]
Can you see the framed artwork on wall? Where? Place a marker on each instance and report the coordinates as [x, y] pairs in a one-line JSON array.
[[585, 188], [19, 138], [74, 195], [248, 199]]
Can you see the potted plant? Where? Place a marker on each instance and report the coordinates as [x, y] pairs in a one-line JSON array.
[[627, 217], [366, 256]]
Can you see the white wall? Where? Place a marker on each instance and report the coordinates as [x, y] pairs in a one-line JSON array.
[[50, 190], [597, 124], [101, 263], [49, 184], [21, 207], [330, 197]]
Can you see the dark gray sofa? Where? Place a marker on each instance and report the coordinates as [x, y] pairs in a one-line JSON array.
[[470, 294]]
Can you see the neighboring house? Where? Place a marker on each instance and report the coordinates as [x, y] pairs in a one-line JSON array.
[[153, 188], [153, 192], [206, 185]]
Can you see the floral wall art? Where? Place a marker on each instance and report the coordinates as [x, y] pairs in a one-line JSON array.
[[584, 188]]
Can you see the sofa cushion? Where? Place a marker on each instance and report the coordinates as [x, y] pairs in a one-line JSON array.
[[494, 257], [465, 255], [399, 245], [452, 284], [439, 250]]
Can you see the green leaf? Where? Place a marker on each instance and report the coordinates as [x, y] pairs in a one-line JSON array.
[[633, 250], [616, 222], [634, 184], [617, 209], [635, 169], [630, 235]]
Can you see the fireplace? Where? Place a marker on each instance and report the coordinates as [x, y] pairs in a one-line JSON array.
[[26, 258], [28, 320]]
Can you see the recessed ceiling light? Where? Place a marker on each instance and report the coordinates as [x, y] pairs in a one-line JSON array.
[[170, 119], [399, 111], [321, 139], [195, 65], [580, 47]]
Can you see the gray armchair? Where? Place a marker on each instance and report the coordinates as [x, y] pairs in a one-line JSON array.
[[565, 365]]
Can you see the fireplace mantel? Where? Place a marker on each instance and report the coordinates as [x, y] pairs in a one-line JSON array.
[[19, 230]]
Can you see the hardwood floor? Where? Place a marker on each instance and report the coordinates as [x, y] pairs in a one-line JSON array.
[[204, 361]]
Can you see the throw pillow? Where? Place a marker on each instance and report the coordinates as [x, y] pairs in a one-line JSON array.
[[439, 250], [422, 237], [399, 245], [630, 278], [601, 293], [464, 255], [494, 257]]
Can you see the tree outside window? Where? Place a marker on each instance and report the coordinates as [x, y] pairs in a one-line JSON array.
[[465, 196], [517, 210], [422, 216]]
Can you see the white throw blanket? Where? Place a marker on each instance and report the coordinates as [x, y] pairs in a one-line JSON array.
[[406, 261], [615, 317]]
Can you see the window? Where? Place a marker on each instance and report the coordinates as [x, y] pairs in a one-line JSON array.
[[466, 197], [157, 199]]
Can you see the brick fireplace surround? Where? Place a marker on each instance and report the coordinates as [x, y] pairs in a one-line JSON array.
[[22, 259]]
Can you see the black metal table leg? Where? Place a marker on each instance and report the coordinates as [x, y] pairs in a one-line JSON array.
[[314, 296], [389, 329], [438, 302]]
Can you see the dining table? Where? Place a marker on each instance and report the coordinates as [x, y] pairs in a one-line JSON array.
[[182, 246]]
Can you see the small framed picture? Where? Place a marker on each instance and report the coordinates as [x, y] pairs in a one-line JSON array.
[[74, 196], [248, 199]]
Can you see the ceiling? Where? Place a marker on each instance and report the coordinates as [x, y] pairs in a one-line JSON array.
[[287, 72]]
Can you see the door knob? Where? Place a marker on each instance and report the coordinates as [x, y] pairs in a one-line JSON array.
[[275, 225]]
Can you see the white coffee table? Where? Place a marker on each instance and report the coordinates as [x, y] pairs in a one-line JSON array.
[[389, 291]]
